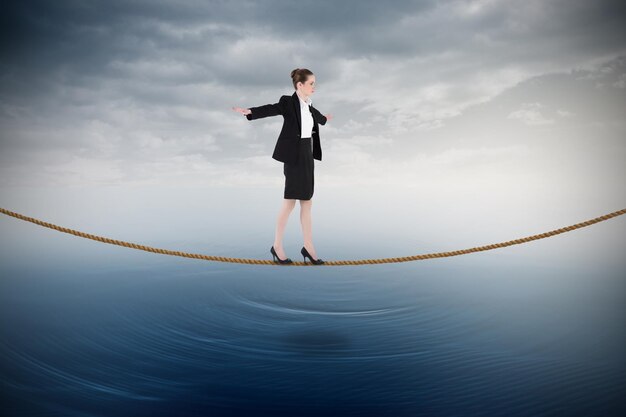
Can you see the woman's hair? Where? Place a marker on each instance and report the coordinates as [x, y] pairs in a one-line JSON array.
[[300, 75]]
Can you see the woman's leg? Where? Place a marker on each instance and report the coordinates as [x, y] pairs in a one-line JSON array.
[[307, 229], [281, 223]]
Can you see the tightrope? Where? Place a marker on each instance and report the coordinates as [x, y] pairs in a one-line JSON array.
[[326, 263]]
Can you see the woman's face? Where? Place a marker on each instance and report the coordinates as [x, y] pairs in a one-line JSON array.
[[309, 86]]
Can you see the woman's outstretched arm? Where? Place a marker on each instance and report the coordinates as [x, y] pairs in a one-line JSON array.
[[319, 117], [260, 112]]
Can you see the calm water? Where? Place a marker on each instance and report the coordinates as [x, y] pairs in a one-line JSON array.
[[89, 329], [158, 335]]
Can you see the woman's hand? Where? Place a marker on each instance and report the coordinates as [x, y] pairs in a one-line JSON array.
[[328, 117], [242, 110]]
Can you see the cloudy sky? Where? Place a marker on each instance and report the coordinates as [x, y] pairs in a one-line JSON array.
[[484, 104]]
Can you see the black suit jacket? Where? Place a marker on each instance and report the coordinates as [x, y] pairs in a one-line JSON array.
[[287, 146]]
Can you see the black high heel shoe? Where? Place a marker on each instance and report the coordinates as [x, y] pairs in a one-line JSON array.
[[306, 253], [281, 261]]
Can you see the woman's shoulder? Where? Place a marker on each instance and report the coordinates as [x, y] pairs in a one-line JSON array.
[[284, 101]]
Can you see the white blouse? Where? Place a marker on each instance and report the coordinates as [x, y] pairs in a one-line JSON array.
[[306, 116]]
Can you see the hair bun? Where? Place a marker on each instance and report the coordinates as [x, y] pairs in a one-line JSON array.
[[300, 75]]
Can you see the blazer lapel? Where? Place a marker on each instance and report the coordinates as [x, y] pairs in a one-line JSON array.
[[296, 106]]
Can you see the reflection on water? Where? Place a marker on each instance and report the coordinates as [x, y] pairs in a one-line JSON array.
[[195, 338]]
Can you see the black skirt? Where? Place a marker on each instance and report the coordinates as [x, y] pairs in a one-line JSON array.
[[299, 178]]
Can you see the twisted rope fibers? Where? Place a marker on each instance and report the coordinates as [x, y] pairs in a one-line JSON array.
[[326, 263]]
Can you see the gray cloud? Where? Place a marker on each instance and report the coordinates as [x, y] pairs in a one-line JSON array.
[[140, 92]]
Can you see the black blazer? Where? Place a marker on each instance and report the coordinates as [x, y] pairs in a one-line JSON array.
[[287, 146]]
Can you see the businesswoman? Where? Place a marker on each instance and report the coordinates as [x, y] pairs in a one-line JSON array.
[[297, 146]]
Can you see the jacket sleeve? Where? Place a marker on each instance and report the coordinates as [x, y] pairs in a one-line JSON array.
[[319, 117], [267, 110]]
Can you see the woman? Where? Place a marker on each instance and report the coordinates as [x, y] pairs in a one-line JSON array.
[[297, 146]]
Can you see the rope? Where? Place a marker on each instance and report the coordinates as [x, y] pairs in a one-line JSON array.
[[327, 263]]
